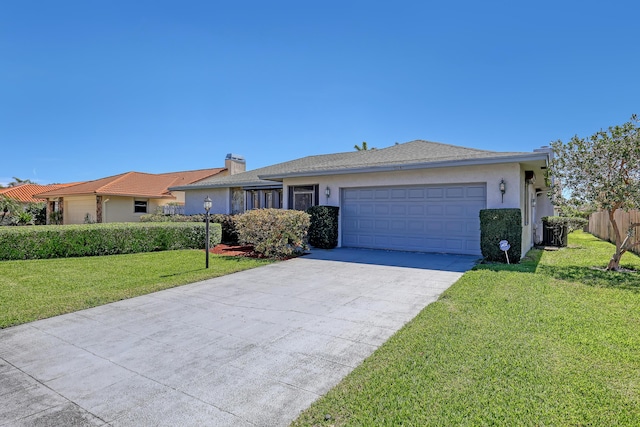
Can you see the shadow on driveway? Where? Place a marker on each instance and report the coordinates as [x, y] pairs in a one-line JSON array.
[[425, 261]]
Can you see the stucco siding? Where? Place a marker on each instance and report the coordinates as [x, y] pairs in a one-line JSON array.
[[491, 175], [220, 198], [121, 209], [511, 173]]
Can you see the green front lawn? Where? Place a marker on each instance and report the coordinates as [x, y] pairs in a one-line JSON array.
[[551, 341], [36, 289]]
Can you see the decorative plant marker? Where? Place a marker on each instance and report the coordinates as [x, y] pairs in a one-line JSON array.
[[505, 246]]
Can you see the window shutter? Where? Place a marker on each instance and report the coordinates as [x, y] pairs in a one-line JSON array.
[[316, 195], [290, 201]]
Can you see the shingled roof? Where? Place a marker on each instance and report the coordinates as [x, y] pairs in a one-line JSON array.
[[25, 192], [135, 184], [410, 155]]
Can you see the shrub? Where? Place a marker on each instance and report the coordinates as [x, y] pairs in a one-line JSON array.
[[229, 227], [571, 222], [59, 241], [229, 232], [323, 231], [274, 233], [556, 229], [159, 217], [497, 225]]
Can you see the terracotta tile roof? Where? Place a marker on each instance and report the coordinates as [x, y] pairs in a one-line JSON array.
[[135, 184], [25, 192]]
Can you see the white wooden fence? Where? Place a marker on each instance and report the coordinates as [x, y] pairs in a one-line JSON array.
[[173, 210]]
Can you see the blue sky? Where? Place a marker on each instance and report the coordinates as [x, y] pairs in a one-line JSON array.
[[90, 89]]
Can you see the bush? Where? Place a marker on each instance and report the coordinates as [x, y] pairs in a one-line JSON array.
[[571, 222], [229, 232], [159, 217], [274, 233], [556, 229], [60, 241], [229, 227], [323, 231], [497, 225]]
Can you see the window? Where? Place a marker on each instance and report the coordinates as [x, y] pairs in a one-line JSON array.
[[140, 206], [268, 198], [237, 200], [302, 197]]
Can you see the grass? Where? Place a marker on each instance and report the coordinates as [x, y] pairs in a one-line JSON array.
[[37, 289], [551, 341]]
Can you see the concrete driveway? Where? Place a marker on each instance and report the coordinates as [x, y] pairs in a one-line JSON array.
[[249, 349]]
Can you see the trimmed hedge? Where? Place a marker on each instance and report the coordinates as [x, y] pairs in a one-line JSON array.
[[571, 222], [60, 241], [323, 231], [274, 233], [228, 223], [497, 225]]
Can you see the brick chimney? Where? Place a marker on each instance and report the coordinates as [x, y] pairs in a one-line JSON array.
[[235, 163]]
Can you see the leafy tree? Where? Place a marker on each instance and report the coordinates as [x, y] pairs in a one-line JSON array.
[[363, 147], [602, 171]]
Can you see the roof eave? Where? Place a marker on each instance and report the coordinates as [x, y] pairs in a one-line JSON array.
[[412, 166], [222, 185]]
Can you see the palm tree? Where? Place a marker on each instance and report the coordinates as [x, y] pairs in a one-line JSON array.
[[363, 147], [17, 181]]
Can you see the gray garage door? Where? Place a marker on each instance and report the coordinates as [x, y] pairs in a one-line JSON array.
[[443, 218]]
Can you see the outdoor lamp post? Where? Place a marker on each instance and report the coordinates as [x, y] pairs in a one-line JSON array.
[[207, 206]]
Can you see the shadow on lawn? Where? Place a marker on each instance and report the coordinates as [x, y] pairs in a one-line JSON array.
[[629, 280], [528, 264], [586, 275]]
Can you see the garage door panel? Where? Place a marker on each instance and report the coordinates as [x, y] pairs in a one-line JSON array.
[[455, 227], [398, 225], [455, 245], [455, 193], [382, 225], [398, 194], [454, 210], [442, 218], [434, 227], [435, 193], [382, 209], [435, 209], [415, 225], [476, 192], [349, 194], [398, 210], [415, 210], [366, 209], [366, 224], [381, 194]]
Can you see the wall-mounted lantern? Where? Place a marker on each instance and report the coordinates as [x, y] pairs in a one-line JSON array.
[[503, 188], [327, 192]]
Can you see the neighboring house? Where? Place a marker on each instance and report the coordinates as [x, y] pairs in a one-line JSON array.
[[125, 197], [25, 193], [417, 196]]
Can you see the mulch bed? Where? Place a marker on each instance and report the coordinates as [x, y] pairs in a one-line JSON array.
[[228, 250]]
